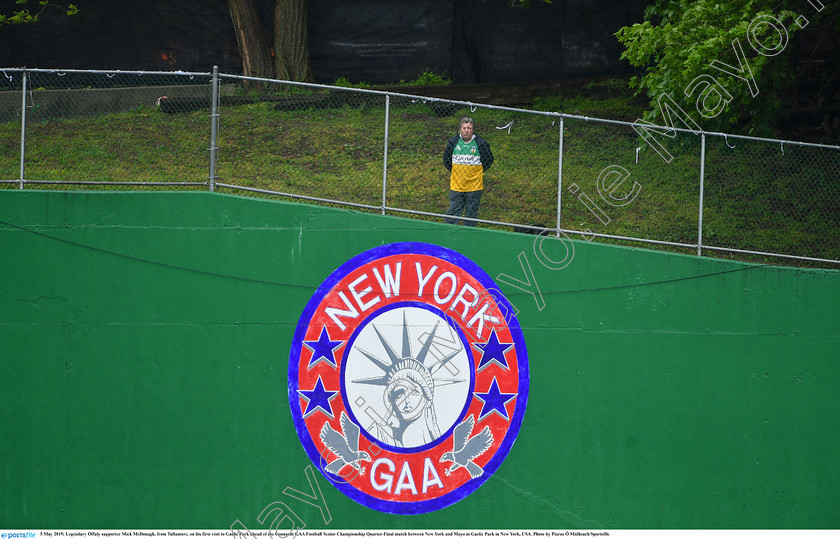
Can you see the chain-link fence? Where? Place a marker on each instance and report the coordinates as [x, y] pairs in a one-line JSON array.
[[618, 182], [101, 128]]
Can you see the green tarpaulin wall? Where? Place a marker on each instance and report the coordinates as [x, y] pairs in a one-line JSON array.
[[145, 338]]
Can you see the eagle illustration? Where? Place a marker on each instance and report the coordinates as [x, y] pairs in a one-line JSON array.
[[466, 448], [345, 446]]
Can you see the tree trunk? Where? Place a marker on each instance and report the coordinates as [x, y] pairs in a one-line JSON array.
[[291, 41], [251, 39]]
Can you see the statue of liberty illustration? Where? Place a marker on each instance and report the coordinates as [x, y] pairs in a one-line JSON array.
[[408, 396]]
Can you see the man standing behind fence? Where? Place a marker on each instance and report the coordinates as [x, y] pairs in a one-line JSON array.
[[466, 156]]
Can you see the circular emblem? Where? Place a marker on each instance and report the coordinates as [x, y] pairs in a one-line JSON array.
[[408, 378]]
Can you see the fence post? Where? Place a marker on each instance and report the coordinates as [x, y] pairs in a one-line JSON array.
[[700, 205], [385, 151], [214, 121], [560, 177], [22, 129]]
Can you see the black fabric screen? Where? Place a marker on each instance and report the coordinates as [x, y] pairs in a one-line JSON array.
[[375, 41]]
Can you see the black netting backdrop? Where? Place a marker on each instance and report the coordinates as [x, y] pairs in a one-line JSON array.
[[379, 41], [493, 42], [188, 35], [472, 41], [374, 41]]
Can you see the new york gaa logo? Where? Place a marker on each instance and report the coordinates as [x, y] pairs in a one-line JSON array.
[[408, 378]]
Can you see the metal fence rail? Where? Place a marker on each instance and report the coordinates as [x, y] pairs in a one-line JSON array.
[[620, 182]]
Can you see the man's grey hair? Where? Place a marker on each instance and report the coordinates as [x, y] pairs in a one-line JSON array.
[[466, 120]]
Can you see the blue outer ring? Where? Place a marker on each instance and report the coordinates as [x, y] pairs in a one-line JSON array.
[[495, 461]]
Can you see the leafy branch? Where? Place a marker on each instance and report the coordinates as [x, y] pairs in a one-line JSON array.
[[25, 16], [679, 40]]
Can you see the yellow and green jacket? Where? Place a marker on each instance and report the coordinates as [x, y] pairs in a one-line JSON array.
[[467, 161]]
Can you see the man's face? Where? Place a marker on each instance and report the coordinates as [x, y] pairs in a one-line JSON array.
[[466, 131]]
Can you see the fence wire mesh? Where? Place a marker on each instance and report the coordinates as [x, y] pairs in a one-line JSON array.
[[772, 197], [615, 185], [310, 142], [10, 126], [383, 152], [98, 128]]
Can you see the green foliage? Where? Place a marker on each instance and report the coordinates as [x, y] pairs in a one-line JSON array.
[[679, 40], [525, 4], [610, 98], [612, 84], [428, 78], [24, 16], [342, 81]]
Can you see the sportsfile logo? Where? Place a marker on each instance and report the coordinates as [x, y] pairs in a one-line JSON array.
[[408, 378]]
